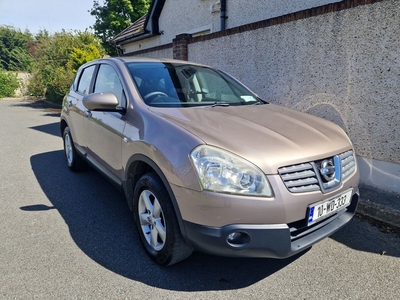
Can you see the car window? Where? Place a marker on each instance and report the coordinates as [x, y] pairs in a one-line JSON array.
[[182, 85], [85, 79], [107, 80], [213, 86]]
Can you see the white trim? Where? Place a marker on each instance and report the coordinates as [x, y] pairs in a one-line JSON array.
[[200, 29]]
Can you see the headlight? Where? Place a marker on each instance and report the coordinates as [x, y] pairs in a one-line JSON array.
[[224, 172]]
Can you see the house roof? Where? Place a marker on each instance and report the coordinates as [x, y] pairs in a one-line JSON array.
[[135, 29], [142, 28]]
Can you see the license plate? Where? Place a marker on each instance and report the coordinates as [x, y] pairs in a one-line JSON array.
[[323, 209]]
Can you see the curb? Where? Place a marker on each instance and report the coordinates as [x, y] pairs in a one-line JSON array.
[[379, 212], [379, 205], [52, 104]]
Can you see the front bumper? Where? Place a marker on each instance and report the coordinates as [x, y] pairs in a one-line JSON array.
[[273, 241]]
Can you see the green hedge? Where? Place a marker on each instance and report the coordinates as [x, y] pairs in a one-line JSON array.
[[8, 84]]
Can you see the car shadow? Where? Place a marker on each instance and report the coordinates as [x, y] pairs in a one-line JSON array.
[[102, 226], [50, 109], [52, 128], [374, 239]]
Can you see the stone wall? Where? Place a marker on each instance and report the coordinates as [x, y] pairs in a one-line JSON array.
[[23, 83]]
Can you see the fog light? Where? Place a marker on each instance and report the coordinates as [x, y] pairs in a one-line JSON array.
[[238, 239], [234, 237]]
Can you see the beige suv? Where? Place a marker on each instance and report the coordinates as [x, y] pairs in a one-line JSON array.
[[205, 164]]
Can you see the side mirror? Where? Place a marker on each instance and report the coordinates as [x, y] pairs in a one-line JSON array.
[[102, 102]]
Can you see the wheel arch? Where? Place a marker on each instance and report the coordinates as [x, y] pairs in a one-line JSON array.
[[63, 125], [139, 165]]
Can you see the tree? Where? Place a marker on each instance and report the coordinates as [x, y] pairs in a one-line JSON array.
[[57, 57], [14, 46], [114, 16]]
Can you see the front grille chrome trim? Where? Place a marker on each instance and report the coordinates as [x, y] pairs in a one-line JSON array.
[[348, 163], [305, 177]]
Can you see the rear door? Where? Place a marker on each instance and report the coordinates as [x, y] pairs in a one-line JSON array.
[[79, 89], [104, 129]]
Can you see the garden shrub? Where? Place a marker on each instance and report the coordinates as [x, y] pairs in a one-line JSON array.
[[8, 84]]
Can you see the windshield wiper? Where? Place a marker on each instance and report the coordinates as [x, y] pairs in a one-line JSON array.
[[220, 104], [261, 101]]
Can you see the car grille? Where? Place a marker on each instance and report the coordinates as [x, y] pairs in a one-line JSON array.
[[305, 177], [348, 164]]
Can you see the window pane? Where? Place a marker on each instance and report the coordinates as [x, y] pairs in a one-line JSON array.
[[181, 85], [84, 81], [107, 81]]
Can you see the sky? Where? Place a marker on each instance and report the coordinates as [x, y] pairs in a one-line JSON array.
[[52, 15]]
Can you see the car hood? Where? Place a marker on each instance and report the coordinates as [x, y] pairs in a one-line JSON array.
[[269, 136]]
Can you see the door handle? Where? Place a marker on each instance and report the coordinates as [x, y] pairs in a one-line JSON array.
[[70, 103]]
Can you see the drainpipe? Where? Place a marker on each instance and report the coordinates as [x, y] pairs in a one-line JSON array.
[[223, 15]]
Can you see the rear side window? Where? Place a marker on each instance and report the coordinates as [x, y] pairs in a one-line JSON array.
[[85, 79]]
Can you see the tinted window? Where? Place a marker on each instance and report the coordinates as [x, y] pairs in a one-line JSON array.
[[85, 79]]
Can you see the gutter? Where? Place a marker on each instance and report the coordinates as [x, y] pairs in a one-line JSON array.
[[223, 15], [151, 26], [136, 38]]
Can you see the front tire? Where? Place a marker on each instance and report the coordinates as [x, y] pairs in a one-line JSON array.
[[74, 161], [156, 222]]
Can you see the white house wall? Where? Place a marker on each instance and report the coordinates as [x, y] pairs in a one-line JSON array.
[[145, 44], [192, 16], [242, 12], [183, 16]]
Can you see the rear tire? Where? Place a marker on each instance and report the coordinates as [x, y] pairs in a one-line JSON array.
[[156, 222], [74, 161]]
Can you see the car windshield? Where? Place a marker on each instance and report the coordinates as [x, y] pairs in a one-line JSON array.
[[185, 85]]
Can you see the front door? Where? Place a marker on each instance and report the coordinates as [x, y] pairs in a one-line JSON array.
[[104, 129]]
